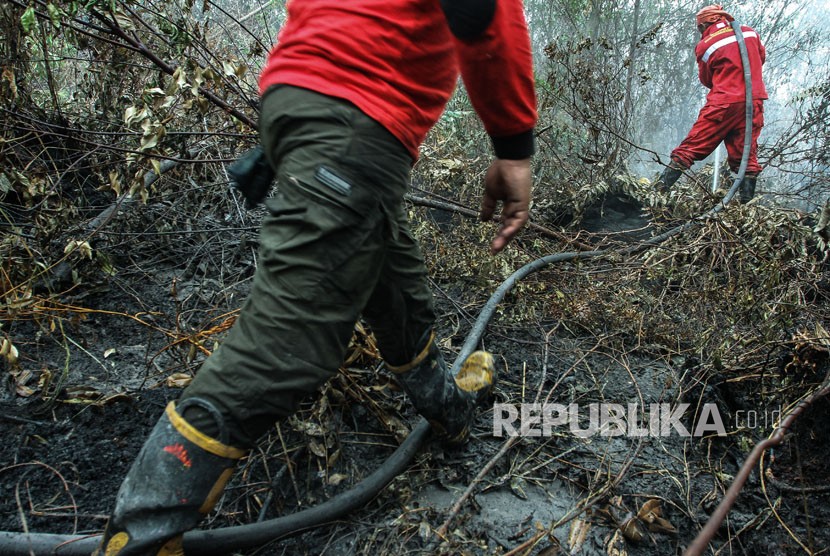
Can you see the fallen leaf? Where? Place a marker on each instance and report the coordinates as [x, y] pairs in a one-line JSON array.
[[83, 247], [23, 391], [652, 515], [517, 486], [577, 534], [178, 380], [424, 530], [616, 545], [337, 478], [661, 525], [82, 394], [317, 449], [650, 510], [8, 351], [333, 458], [633, 529]]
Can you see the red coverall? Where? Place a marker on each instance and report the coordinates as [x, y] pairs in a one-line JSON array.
[[723, 117], [405, 83]]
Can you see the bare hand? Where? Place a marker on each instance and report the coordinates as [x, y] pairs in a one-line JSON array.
[[507, 181]]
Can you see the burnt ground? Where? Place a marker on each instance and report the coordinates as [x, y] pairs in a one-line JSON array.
[[89, 387]]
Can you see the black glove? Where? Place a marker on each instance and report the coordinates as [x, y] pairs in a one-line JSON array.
[[252, 176]]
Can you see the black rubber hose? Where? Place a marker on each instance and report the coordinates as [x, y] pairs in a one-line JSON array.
[[705, 535], [739, 35], [216, 542]]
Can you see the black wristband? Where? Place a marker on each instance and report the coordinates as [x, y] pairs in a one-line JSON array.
[[515, 147]]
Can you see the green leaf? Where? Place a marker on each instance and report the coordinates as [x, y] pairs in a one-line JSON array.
[[54, 14], [27, 20]]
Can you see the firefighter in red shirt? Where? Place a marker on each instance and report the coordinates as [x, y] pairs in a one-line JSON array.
[[723, 117], [348, 94]]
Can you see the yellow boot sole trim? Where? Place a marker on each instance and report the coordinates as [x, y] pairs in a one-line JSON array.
[[116, 544], [477, 372], [415, 362], [173, 547], [200, 439], [216, 491]]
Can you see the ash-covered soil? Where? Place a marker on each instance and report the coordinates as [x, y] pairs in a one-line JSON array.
[[87, 390], [63, 461]]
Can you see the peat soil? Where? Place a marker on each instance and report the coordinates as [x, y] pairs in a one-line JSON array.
[[76, 410]]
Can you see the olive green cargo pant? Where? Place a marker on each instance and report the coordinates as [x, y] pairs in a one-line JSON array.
[[336, 243]]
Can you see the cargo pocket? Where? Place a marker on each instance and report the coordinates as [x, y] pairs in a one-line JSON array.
[[311, 240], [715, 112]]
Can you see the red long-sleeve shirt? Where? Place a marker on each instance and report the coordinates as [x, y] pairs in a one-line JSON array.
[[720, 67], [397, 61]]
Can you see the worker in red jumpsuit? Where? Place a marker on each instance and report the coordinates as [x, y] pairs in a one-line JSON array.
[[348, 94], [723, 117]]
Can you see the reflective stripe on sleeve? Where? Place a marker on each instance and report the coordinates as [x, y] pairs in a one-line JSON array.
[[723, 42]]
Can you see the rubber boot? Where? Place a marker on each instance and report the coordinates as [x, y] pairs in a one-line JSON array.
[[746, 190], [449, 404], [669, 176], [176, 480]]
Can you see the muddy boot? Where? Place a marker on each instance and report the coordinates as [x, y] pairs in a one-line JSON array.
[[448, 404], [746, 190], [669, 176], [175, 481]]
